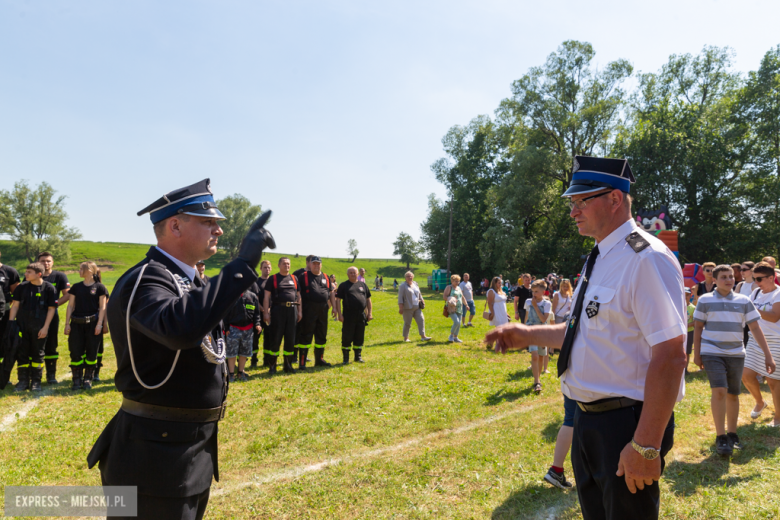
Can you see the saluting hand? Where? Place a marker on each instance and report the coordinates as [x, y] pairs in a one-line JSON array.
[[256, 239], [639, 472]]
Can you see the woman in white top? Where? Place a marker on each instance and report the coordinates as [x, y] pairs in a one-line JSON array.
[[410, 300], [496, 304], [747, 285], [561, 302], [767, 300]]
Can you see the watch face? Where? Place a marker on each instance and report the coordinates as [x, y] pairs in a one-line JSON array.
[[650, 454]]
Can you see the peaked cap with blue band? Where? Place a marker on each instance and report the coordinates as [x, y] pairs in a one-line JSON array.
[[195, 199], [591, 174]]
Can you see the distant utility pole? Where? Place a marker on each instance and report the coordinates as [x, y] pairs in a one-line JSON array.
[[449, 246]]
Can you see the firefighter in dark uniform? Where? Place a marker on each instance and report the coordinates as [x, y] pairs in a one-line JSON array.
[[9, 279], [281, 303], [259, 289], [60, 282], [302, 270], [35, 306], [316, 295], [355, 315], [201, 267], [171, 362]]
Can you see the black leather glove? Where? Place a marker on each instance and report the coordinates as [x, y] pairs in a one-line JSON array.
[[257, 239]]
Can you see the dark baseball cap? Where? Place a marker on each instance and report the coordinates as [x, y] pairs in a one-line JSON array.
[[316, 259]]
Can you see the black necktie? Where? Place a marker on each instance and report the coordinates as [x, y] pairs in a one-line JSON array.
[[574, 320]]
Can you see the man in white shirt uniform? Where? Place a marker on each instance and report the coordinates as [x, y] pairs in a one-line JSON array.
[[622, 350]]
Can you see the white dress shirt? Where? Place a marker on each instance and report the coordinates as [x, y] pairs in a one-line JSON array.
[[189, 270], [641, 304]]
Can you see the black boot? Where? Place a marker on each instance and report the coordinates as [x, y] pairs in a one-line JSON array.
[[88, 373], [271, 361], [319, 353], [24, 379], [345, 353], [358, 352], [303, 353], [96, 375], [36, 374], [51, 371], [253, 363], [78, 373], [288, 364]]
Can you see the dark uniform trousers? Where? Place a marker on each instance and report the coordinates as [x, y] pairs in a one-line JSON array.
[[353, 330], [598, 440], [31, 350], [188, 508], [283, 324], [83, 344], [50, 352], [314, 324]]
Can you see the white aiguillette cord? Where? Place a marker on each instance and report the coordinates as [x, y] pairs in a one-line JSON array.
[[129, 343]]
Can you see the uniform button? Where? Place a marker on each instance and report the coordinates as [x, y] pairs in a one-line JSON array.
[[595, 297], [165, 434], [238, 275]]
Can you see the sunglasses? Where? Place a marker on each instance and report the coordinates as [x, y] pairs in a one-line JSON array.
[[708, 270], [760, 278]]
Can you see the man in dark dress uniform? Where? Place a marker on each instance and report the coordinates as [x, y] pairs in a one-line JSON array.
[[316, 294], [60, 282], [281, 305], [171, 362], [356, 300]]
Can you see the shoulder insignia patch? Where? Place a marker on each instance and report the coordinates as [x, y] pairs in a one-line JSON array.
[[637, 242]]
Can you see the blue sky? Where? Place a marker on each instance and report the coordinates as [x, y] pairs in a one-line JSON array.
[[330, 113]]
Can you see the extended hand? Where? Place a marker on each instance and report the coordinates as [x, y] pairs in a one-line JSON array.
[[513, 336], [256, 239], [639, 472]]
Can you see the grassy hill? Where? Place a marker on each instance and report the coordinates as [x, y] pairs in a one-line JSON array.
[[115, 258]]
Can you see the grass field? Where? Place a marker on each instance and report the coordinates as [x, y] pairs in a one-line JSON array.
[[421, 430]]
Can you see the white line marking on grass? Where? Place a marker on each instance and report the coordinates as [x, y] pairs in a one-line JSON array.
[[9, 420], [311, 468]]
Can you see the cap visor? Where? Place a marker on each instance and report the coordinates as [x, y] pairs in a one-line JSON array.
[[210, 212], [577, 189]]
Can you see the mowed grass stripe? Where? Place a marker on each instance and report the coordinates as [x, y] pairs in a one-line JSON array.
[[379, 452]]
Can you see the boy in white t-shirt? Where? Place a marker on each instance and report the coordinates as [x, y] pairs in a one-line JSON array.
[[537, 312]]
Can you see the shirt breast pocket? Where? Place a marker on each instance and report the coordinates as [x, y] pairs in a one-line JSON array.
[[597, 306]]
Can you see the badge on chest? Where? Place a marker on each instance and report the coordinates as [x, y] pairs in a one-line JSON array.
[[592, 309]]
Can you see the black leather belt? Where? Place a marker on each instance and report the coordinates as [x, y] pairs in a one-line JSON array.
[[84, 319], [607, 405], [166, 413], [285, 304]]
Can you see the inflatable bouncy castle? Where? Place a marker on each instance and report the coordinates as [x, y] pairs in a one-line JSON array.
[[692, 274], [658, 223]]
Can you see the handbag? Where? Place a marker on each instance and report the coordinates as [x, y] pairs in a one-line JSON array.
[[422, 304], [446, 311], [485, 312]]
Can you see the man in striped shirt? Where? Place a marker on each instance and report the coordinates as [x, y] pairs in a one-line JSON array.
[[719, 320]]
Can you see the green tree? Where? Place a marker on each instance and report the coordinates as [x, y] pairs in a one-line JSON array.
[[352, 248], [409, 249], [35, 218], [240, 215], [689, 152], [759, 105]]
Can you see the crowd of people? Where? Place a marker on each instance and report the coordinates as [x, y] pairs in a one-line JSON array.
[[30, 323]]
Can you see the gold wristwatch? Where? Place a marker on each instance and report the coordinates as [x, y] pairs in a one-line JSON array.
[[648, 453]]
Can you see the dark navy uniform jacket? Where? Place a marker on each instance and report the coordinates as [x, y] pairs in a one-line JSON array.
[[162, 458]]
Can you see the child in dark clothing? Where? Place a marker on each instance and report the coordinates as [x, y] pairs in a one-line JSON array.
[[244, 319], [34, 304]]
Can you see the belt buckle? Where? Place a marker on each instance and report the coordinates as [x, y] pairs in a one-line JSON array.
[[88, 318]]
